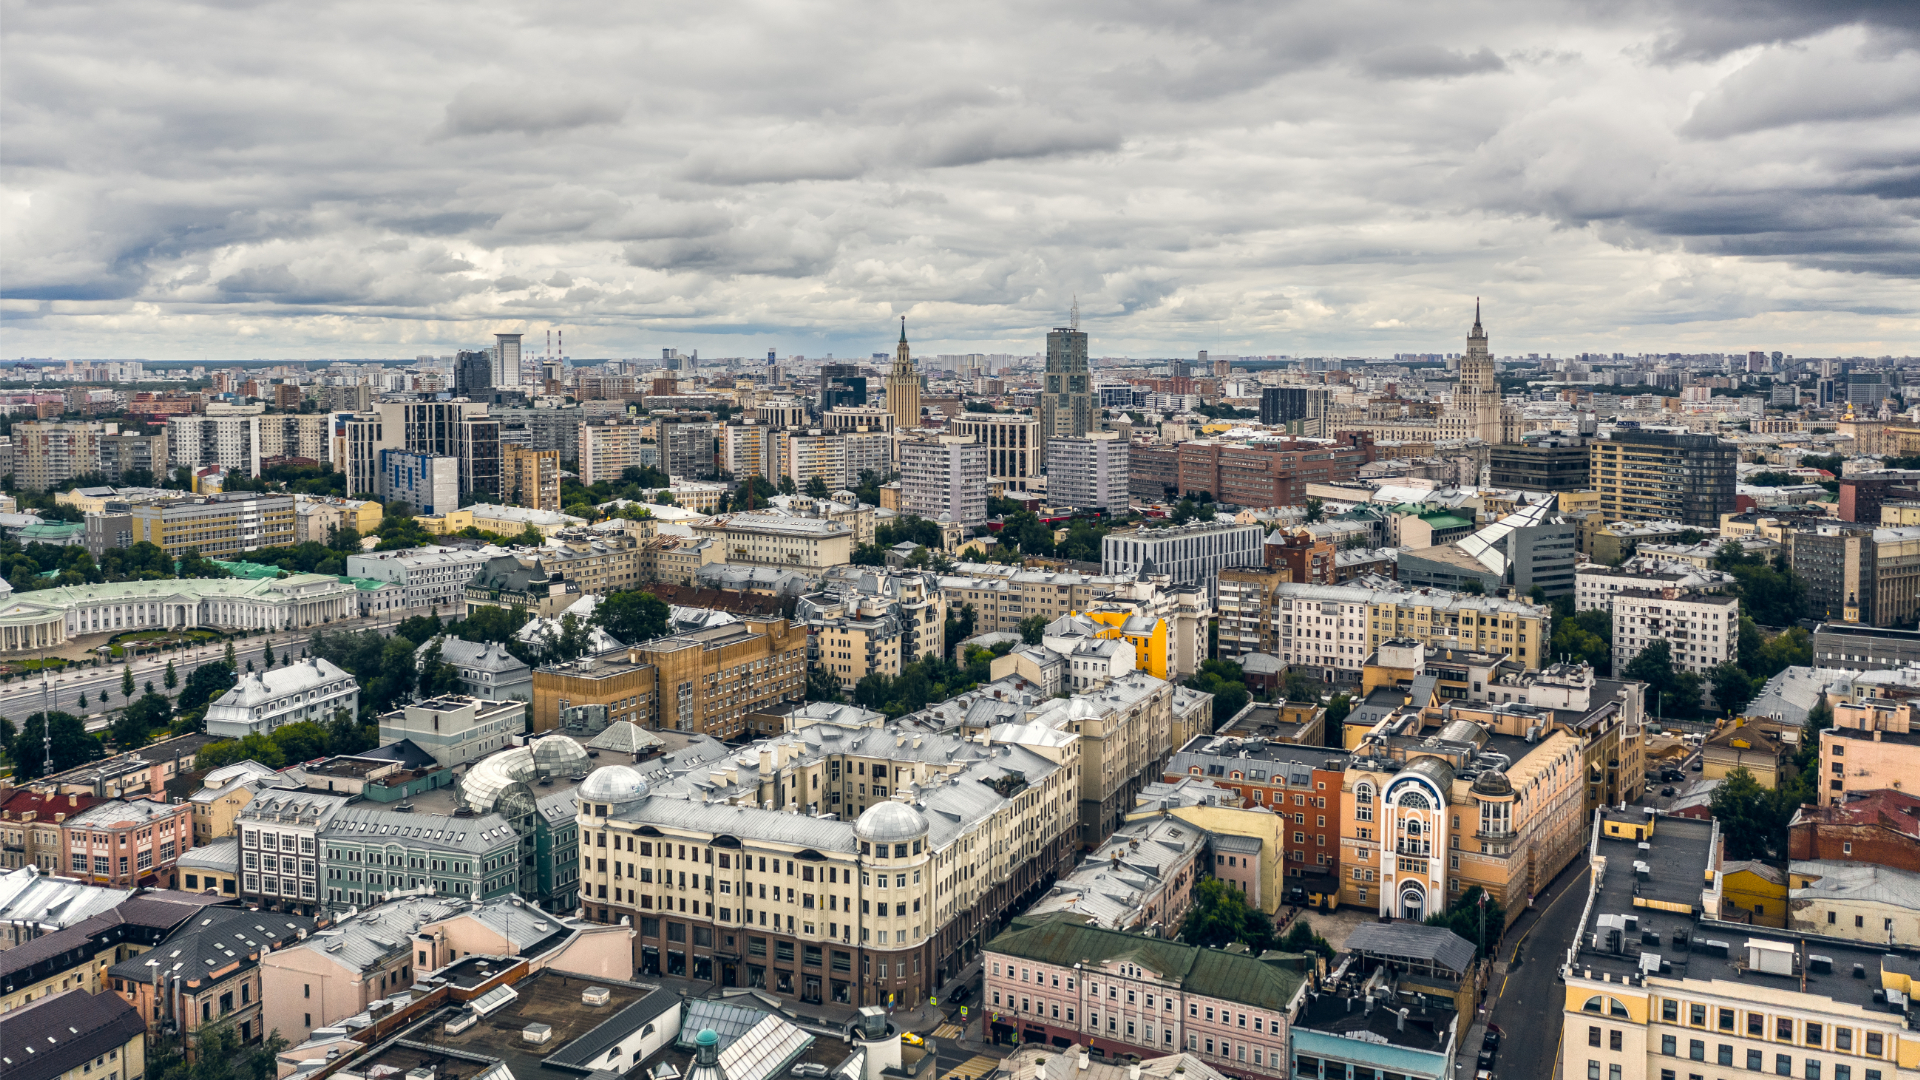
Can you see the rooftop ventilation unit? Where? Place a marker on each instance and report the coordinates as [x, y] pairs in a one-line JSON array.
[[596, 995]]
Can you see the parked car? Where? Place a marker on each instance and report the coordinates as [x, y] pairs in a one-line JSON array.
[[961, 995], [809, 1069], [1667, 791], [1695, 767], [913, 1040], [1491, 1040]]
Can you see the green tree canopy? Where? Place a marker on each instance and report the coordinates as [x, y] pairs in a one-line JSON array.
[[1220, 916], [632, 616], [72, 745], [1032, 628]]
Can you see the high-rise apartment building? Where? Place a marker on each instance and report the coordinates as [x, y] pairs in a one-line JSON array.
[[687, 448], [944, 478], [506, 361], [1664, 476], [530, 477], [1089, 472], [1015, 451], [747, 448], [357, 442], [130, 454], [48, 453], [479, 456], [293, 435], [903, 386], [545, 428], [1066, 401], [231, 442], [609, 446], [429, 484]]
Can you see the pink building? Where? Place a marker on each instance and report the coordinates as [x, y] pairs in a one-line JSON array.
[[127, 843], [1059, 982]]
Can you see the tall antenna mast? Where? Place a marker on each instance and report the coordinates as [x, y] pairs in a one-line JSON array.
[[1073, 315]]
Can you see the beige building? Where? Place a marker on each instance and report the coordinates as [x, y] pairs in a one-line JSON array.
[[1860, 901], [530, 478], [857, 418], [903, 386], [873, 622], [47, 453], [1655, 989], [749, 448], [598, 562], [832, 902], [294, 435], [316, 516], [677, 559], [608, 447], [1434, 806], [1871, 745], [1015, 453], [757, 539], [1246, 609], [1335, 627], [1002, 596], [703, 681]]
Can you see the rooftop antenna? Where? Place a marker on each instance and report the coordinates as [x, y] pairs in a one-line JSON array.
[[1073, 313]]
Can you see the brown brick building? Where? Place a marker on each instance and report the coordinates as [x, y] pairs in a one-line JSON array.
[[1152, 471], [1881, 826], [704, 681], [1275, 475]]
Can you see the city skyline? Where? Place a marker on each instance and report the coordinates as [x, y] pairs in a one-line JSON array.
[[1291, 180]]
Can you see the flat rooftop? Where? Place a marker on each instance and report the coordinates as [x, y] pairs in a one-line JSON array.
[[1676, 859], [1428, 1028]]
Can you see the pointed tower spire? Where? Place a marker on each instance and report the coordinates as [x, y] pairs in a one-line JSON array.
[[903, 329]]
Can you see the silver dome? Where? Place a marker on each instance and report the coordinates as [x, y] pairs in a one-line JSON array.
[[890, 823], [613, 784], [557, 755]]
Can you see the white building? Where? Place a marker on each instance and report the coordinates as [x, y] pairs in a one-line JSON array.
[[455, 729], [944, 478], [1190, 554], [432, 576], [233, 442], [262, 701], [1596, 584], [48, 618], [1089, 472], [1701, 629], [279, 846]]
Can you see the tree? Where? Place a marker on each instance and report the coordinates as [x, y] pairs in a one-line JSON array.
[[83, 699], [266, 653], [816, 487], [1467, 918], [126, 682], [229, 657], [1473, 586], [1299, 686], [1300, 938], [787, 486], [135, 725], [822, 685], [1032, 628], [1316, 510], [1228, 685], [1678, 692], [1585, 636], [1753, 819], [72, 745], [205, 683], [1732, 689], [302, 740], [1220, 916], [1338, 710], [254, 747], [632, 616], [869, 555], [170, 680]]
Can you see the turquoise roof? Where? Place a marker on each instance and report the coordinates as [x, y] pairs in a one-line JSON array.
[[251, 571]]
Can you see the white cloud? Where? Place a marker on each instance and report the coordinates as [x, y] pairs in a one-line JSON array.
[[362, 179]]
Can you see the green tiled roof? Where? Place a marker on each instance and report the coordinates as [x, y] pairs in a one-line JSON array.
[[1445, 520], [251, 571], [364, 584], [1235, 977]]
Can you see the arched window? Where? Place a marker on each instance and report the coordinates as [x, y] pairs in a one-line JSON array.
[[1592, 1005], [1413, 800]]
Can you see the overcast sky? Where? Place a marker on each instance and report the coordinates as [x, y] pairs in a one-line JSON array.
[[236, 179]]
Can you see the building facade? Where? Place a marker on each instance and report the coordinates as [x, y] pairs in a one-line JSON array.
[[1661, 476], [944, 478], [1190, 554], [1014, 448], [1066, 398], [1088, 473]]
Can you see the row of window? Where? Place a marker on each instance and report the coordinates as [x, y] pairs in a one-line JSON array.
[[1783, 1028], [1782, 1066]]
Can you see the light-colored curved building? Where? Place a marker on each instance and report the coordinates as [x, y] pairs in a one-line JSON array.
[[49, 618]]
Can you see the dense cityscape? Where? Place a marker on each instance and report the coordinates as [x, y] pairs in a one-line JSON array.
[[1379, 717]]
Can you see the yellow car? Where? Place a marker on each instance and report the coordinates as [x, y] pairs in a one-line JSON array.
[[913, 1040]]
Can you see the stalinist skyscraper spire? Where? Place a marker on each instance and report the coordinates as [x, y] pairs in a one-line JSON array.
[[1478, 398], [903, 386]]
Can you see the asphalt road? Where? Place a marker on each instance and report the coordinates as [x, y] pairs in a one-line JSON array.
[[1530, 999], [22, 698]]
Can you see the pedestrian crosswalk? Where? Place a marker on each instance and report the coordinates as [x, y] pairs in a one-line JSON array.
[[947, 1031], [973, 1068]]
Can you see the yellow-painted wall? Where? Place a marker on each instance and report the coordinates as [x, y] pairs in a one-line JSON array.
[[1750, 892]]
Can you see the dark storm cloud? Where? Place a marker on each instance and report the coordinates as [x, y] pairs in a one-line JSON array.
[[1283, 176]]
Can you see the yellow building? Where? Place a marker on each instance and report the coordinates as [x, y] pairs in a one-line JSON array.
[[74, 1036], [1573, 502], [1753, 892], [530, 478], [1148, 636], [216, 525], [446, 524]]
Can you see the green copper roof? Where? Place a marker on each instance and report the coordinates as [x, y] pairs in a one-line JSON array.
[[1444, 520], [1230, 976], [251, 571]]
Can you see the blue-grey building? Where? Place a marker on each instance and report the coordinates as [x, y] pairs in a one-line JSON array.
[[429, 484]]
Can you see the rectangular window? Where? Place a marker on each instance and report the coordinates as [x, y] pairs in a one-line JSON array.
[[1669, 1045]]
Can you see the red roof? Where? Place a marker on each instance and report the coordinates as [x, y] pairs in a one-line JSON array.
[[1885, 807], [24, 802]]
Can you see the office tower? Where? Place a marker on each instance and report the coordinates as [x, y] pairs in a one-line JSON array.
[[471, 373], [1088, 473], [530, 478], [1066, 403], [1015, 455], [1305, 406], [903, 386], [1661, 476], [506, 361], [944, 478], [49, 453], [479, 454]]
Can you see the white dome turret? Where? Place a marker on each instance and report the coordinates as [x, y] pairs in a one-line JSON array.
[[890, 823], [614, 784]]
